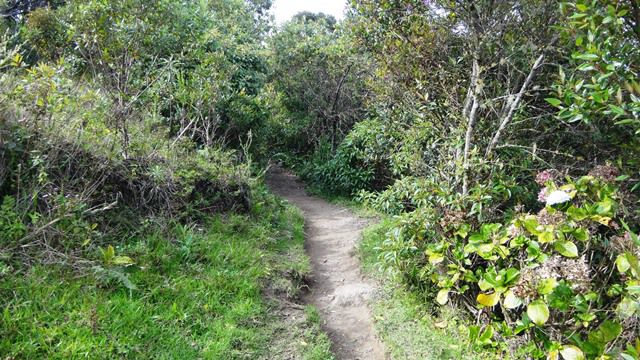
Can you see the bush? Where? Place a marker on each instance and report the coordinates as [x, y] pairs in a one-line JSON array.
[[360, 162], [72, 181], [342, 173], [46, 33], [562, 281]]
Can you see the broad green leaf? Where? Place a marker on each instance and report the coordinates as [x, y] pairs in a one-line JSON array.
[[485, 285], [531, 224], [633, 288], [545, 236], [605, 207], [123, 260], [553, 101], [533, 250], [443, 296], [546, 286], [474, 332], [511, 275], [571, 352], [485, 250], [538, 312], [605, 333], [488, 300], [566, 248], [463, 231], [622, 263], [627, 308], [486, 336], [610, 330], [576, 213], [478, 237], [436, 258], [511, 301], [581, 234]]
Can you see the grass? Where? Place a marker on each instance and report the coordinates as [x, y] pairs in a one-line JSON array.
[[406, 325], [317, 342], [200, 295]]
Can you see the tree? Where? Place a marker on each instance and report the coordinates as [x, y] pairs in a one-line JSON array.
[[320, 76], [475, 61]]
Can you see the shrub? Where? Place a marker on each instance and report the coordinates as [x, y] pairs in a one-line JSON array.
[[46, 33], [11, 226], [563, 280], [360, 162], [71, 184], [342, 174]]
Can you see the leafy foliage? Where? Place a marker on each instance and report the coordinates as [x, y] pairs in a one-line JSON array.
[[319, 78], [465, 104], [125, 133], [560, 277], [119, 115]]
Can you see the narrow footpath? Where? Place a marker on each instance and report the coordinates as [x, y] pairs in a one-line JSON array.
[[338, 289]]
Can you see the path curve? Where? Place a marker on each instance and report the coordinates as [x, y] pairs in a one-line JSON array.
[[338, 289]]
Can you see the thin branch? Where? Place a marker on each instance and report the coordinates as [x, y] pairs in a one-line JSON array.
[[513, 107], [475, 83]]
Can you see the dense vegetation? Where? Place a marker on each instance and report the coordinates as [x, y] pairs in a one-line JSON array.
[[500, 138], [133, 222]]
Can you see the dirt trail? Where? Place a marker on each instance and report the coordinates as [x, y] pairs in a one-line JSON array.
[[338, 290]]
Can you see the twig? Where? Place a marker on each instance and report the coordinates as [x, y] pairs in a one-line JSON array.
[[475, 82], [534, 149], [91, 211], [513, 106]]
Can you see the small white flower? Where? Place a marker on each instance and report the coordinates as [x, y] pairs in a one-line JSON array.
[[557, 197]]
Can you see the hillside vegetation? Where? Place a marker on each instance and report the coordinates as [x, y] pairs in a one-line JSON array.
[[133, 222], [498, 140]]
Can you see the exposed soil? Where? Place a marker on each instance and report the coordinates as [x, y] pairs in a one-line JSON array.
[[338, 289]]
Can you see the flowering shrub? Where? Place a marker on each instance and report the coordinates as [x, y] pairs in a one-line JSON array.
[[563, 282]]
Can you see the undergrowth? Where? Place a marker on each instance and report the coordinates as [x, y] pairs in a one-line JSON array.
[[409, 327], [197, 292]]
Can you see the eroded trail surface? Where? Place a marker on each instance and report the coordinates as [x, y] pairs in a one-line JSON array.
[[339, 290]]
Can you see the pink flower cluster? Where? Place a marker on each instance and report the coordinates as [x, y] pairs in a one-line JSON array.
[[542, 195], [543, 177]]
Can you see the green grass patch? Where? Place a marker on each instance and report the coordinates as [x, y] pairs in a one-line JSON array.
[[199, 295], [317, 343]]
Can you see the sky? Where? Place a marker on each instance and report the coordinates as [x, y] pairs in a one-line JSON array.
[[283, 10]]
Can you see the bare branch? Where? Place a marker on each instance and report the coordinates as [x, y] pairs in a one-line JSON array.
[[513, 106], [475, 103]]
